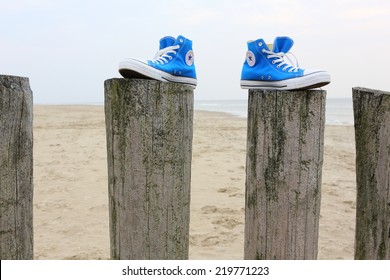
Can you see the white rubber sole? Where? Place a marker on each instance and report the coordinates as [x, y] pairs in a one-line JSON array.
[[313, 80], [133, 68]]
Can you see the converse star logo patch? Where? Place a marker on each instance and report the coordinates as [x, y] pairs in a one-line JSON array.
[[190, 58], [250, 58]]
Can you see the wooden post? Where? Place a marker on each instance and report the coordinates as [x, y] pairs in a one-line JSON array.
[[372, 136], [149, 146], [283, 173], [16, 168]]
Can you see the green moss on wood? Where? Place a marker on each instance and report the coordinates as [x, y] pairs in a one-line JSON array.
[[281, 173], [372, 117], [151, 153]]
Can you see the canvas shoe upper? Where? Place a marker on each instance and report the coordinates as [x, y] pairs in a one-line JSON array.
[[174, 62], [271, 69]]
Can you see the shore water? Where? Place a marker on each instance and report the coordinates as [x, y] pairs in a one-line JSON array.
[[71, 193]]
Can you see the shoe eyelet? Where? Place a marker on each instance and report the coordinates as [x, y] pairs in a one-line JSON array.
[[273, 62], [278, 66], [263, 50], [181, 40], [260, 44]]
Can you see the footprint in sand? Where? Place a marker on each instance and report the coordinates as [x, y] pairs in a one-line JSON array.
[[210, 241], [235, 179], [221, 238], [232, 192], [228, 190], [352, 204], [228, 223], [240, 195], [211, 209]]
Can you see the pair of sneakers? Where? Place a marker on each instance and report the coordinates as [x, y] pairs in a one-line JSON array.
[[265, 66]]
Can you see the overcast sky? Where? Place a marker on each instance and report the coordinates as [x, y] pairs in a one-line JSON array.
[[69, 47]]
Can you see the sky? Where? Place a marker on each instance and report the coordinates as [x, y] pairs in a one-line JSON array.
[[68, 48]]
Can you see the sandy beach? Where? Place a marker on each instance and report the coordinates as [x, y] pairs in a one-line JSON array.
[[71, 193]]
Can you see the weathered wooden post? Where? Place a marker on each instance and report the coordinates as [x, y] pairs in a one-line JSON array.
[[372, 136], [16, 168], [149, 146], [283, 173]]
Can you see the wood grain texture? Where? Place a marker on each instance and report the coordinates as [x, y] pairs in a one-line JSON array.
[[372, 134], [16, 168], [283, 173], [149, 147]]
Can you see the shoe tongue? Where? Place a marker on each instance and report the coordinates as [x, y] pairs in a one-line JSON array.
[[167, 41], [282, 44]]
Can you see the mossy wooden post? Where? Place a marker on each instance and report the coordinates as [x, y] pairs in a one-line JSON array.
[[283, 173], [16, 169], [149, 146], [372, 134]]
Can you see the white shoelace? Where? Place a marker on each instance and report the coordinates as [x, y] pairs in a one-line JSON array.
[[280, 58], [162, 56]]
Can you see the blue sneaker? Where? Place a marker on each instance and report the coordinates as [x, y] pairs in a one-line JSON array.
[[174, 62], [266, 69]]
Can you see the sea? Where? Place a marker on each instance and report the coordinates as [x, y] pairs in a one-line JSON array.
[[338, 111]]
